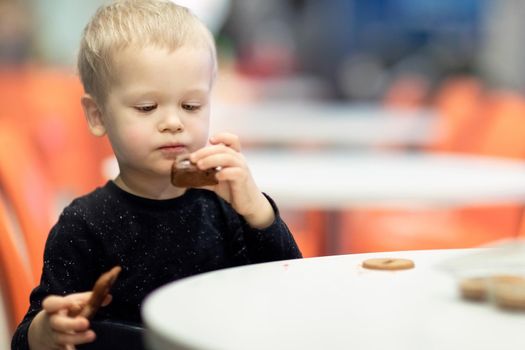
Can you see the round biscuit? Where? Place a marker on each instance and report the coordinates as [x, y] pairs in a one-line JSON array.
[[388, 264], [509, 292], [474, 288]]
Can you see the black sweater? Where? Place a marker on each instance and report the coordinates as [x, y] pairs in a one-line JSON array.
[[154, 241]]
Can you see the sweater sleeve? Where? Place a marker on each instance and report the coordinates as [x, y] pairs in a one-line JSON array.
[[272, 243], [67, 254]]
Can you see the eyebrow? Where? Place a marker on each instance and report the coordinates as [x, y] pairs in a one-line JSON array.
[[198, 91]]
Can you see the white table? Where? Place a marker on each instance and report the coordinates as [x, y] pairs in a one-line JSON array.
[[328, 124], [336, 180], [327, 303]]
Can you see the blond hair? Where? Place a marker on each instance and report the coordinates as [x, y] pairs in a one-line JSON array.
[[135, 23]]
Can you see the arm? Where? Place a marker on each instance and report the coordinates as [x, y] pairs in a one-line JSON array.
[[68, 268], [271, 243], [262, 231]]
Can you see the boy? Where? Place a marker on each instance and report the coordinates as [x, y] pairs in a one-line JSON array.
[[148, 68]]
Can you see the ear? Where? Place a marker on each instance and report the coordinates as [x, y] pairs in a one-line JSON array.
[[93, 114]]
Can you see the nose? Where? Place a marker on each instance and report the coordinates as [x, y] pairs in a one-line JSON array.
[[171, 123]]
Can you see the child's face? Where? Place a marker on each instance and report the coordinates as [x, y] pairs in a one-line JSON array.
[[158, 107]]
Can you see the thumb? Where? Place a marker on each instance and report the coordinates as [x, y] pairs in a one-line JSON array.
[[55, 303]]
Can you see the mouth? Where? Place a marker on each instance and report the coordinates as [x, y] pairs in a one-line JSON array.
[[172, 150]]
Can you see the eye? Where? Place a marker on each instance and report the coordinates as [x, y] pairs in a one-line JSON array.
[[146, 108], [191, 108]]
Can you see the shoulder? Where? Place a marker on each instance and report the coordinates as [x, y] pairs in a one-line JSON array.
[[83, 222], [81, 213], [91, 202]]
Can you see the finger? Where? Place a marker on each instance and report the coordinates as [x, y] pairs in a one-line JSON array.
[[63, 323], [75, 309], [79, 297], [77, 302], [230, 174], [54, 303], [229, 139], [211, 150], [67, 339], [223, 160]]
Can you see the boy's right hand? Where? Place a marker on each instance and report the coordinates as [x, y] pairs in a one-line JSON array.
[[53, 328]]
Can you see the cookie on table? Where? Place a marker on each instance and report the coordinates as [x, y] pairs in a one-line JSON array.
[[509, 292], [474, 288], [388, 264]]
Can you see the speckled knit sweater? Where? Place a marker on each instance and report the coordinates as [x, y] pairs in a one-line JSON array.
[[154, 241]]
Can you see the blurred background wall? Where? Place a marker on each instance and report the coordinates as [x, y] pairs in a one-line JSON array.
[[354, 48]]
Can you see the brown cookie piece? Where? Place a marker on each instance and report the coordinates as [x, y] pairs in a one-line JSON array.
[[509, 292], [388, 264], [474, 288], [184, 173], [100, 292]]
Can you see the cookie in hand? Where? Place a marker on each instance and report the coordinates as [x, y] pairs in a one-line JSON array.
[[184, 173]]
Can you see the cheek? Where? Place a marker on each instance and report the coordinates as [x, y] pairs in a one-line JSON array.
[[133, 140], [204, 135], [136, 136], [200, 132]]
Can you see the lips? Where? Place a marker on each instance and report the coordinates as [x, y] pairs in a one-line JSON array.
[[174, 149]]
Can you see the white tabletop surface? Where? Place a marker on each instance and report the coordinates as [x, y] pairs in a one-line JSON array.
[[339, 179], [328, 303], [343, 124]]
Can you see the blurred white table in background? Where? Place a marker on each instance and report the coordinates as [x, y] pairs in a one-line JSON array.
[[343, 179], [327, 124], [327, 303]]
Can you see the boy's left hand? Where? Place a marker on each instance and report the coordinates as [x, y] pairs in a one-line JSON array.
[[236, 184]]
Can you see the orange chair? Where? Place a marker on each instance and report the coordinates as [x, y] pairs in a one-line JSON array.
[[504, 135], [459, 106], [25, 186], [16, 278], [392, 230], [13, 98], [308, 229], [70, 153], [521, 230], [46, 104]]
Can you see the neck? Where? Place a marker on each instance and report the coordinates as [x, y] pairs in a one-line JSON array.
[[152, 190]]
